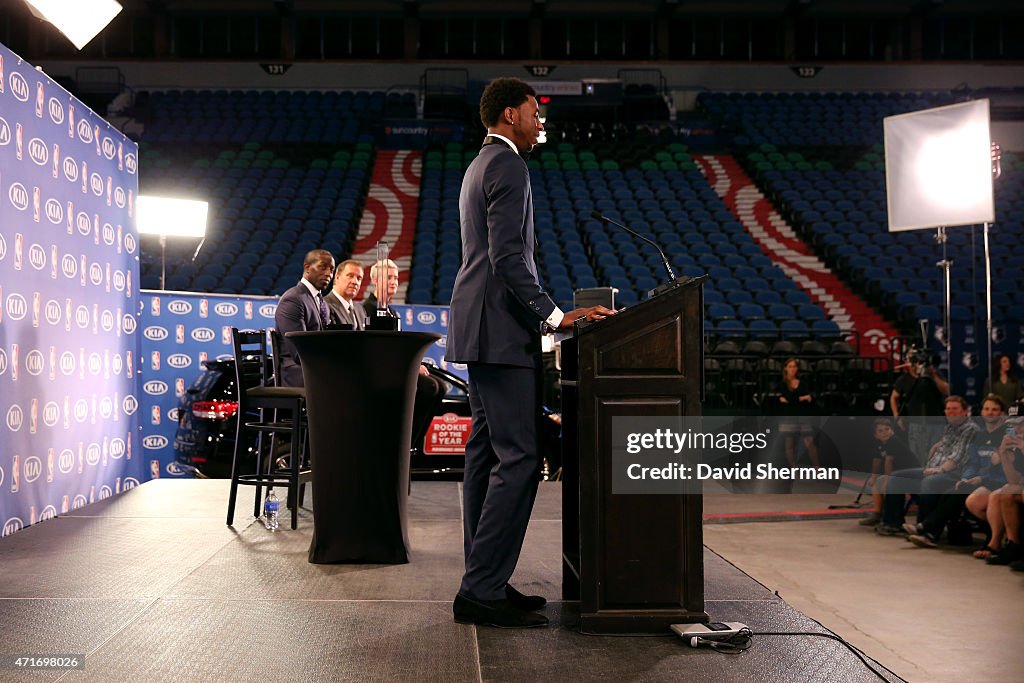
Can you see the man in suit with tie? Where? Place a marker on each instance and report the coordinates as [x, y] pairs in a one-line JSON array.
[[303, 308], [497, 311], [341, 300]]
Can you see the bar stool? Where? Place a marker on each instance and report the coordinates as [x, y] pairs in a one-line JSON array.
[[256, 398]]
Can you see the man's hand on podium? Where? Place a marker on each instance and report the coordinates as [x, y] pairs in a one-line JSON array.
[[590, 314]]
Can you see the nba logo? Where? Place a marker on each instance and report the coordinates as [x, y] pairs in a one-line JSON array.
[[179, 387], [155, 415], [202, 357], [156, 360], [155, 306], [248, 310], [225, 335], [179, 334], [204, 308], [154, 469]]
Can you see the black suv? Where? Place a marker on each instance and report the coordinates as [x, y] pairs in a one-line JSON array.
[[208, 415]]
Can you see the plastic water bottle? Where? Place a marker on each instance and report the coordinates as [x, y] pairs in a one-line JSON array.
[[270, 508]]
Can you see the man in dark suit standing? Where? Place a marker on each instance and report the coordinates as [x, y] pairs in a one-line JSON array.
[[341, 300], [303, 308], [498, 308]]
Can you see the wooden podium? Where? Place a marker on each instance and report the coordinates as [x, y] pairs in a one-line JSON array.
[[635, 562]]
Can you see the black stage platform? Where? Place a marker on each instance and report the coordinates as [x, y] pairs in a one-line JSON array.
[[151, 585]]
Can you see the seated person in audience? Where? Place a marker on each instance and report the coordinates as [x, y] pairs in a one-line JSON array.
[[795, 399], [383, 278], [981, 473], [893, 454], [341, 300], [945, 461], [1004, 382], [302, 308], [1008, 498]]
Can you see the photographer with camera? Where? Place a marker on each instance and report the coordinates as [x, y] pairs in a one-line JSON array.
[[919, 392]]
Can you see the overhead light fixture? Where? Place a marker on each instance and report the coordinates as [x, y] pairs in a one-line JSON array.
[[79, 20], [167, 217]]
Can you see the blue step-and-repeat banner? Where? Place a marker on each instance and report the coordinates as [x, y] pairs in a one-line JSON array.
[[180, 330], [68, 300]]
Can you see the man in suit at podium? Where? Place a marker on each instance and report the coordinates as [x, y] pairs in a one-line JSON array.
[[498, 308], [341, 300], [301, 308]]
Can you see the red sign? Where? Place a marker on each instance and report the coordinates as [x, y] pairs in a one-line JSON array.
[[447, 435]]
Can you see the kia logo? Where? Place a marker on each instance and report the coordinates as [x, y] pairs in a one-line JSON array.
[[173, 469], [226, 309], [84, 131], [96, 184], [14, 524], [129, 243], [18, 196], [225, 356], [5, 132], [130, 404], [129, 483], [69, 266], [51, 414], [450, 418], [66, 462], [268, 310], [426, 318], [155, 387], [107, 321], [131, 163], [37, 256], [179, 307], [117, 448], [15, 418], [54, 211], [3, 362], [3, 248], [78, 502], [83, 223], [96, 274], [108, 148], [108, 234], [82, 317], [115, 364], [459, 366], [82, 414], [128, 324], [19, 86], [155, 333], [179, 360], [430, 361], [17, 307], [173, 414], [56, 111], [67, 363], [33, 468], [442, 342], [92, 454], [71, 169], [119, 197], [49, 512], [106, 407], [154, 442], [203, 334], [118, 280], [38, 151], [52, 312], [34, 362], [95, 363]]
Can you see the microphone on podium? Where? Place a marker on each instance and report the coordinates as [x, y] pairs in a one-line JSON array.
[[664, 259]]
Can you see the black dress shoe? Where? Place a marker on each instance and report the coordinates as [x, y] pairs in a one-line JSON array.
[[500, 613], [530, 603]]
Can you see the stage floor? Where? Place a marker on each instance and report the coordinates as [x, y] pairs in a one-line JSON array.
[[151, 585]]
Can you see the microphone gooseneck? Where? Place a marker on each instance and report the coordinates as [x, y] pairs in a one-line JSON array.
[[631, 231]]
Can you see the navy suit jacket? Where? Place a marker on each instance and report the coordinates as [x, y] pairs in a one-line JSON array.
[[297, 311], [498, 303], [340, 315]]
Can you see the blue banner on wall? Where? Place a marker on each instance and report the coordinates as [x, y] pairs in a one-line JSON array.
[[180, 330], [68, 266]]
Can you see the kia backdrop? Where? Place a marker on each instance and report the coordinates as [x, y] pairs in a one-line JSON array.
[[68, 302]]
